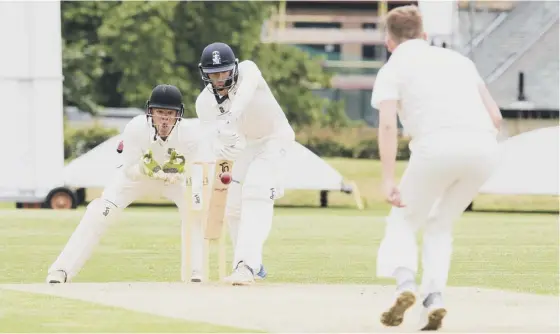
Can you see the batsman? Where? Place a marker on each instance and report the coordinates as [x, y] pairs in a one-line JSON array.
[[252, 131], [155, 149]]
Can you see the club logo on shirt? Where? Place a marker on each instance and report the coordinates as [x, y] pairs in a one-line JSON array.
[[222, 110], [216, 59]]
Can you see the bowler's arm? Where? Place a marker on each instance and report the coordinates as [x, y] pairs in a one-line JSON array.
[[385, 98], [489, 102], [247, 88], [490, 105]]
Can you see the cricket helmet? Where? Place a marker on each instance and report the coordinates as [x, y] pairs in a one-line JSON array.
[[165, 97], [218, 57]]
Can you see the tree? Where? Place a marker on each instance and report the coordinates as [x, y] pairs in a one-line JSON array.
[[140, 39], [198, 24], [129, 47], [292, 75], [83, 55]]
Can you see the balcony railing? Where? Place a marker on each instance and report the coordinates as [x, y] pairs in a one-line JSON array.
[[352, 67], [322, 36], [500, 5], [316, 18]]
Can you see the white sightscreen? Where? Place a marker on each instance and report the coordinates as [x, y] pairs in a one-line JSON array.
[[31, 146], [441, 21]]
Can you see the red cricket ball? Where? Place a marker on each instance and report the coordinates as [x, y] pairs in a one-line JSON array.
[[120, 147], [225, 178]]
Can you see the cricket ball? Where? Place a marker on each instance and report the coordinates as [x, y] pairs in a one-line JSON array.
[[225, 178]]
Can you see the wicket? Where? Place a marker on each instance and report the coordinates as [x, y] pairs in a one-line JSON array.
[[199, 185]]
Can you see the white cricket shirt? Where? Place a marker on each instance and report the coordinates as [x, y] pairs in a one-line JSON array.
[[138, 138], [437, 89], [260, 115]]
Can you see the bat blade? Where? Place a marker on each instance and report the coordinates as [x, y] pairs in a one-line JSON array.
[[218, 199]]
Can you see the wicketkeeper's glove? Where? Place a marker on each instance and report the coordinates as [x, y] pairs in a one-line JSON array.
[[175, 164], [174, 168], [149, 166]]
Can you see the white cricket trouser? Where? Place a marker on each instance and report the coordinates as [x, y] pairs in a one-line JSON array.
[[257, 182], [102, 211], [443, 176]]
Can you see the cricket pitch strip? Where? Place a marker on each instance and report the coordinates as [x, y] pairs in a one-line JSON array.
[[306, 308]]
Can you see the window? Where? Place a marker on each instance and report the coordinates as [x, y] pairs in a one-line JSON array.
[[369, 52], [320, 25], [330, 51], [369, 26]]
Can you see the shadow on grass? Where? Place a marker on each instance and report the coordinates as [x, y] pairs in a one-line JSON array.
[[538, 212], [353, 209]]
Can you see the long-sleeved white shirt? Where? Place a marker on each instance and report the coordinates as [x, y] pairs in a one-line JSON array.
[[251, 103], [139, 137], [437, 90]]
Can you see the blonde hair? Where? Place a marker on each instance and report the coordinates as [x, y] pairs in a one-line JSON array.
[[404, 23]]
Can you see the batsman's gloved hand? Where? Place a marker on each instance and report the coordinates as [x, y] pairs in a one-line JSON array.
[[228, 137], [149, 166], [227, 152]]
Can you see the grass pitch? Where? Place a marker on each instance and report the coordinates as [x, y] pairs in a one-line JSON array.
[[517, 252], [512, 252]]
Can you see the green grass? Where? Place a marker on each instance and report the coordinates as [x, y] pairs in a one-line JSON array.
[[24, 312], [513, 252], [516, 252], [305, 245]]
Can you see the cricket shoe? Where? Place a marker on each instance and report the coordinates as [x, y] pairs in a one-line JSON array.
[[394, 316], [262, 273], [57, 277], [242, 275], [196, 276], [433, 313]]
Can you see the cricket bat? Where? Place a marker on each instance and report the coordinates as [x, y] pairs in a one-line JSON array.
[[218, 198]]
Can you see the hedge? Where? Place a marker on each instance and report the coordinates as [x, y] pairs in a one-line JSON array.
[[349, 142], [78, 141]]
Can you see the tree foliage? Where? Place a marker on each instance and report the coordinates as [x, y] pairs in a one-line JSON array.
[[116, 52]]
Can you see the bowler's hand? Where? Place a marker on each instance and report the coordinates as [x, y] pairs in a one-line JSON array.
[[392, 193]]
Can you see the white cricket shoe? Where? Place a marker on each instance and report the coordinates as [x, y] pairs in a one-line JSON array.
[[242, 275], [433, 313], [196, 276], [57, 277]]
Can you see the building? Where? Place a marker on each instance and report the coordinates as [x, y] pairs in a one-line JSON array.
[[502, 37], [347, 34]]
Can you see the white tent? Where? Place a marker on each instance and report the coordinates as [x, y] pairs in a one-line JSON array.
[[528, 165], [305, 170]]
